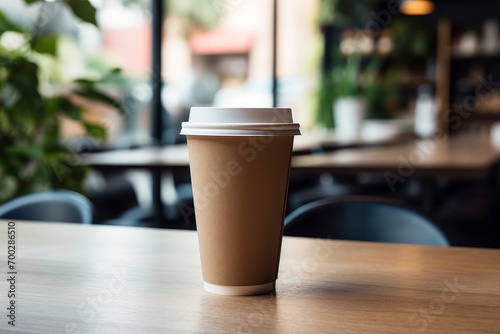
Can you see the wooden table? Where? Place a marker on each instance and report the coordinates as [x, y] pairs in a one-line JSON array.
[[111, 279], [175, 158], [467, 157], [460, 156], [172, 157]]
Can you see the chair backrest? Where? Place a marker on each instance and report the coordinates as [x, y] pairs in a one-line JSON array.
[[363, 218], [56, 206]]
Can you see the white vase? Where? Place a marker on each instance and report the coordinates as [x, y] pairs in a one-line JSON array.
[[349, 114]]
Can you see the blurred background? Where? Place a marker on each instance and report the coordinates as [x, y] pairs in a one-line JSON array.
[[220, 54], [405, 59]]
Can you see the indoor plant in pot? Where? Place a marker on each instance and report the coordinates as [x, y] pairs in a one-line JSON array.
[[33, 154], [352, 89]]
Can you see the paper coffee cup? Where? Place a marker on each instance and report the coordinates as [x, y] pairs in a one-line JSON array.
[[240, 162]]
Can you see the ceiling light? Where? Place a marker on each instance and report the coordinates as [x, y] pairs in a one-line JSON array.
[[417, 7]]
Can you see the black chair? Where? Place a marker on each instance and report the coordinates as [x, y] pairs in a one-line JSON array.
[[365, 219], [111, 195], [56, 206]]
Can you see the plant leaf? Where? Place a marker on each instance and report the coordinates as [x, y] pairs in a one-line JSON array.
[[93, 94], [7, 25], [83, 9], [46, 45], [23, 77], [95, 130], [113, 76], [85, 82], [64, 106], [28, 151]]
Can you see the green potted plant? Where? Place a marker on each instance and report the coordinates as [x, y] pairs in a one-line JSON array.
[[33, 154], [353, 93], [337, 15], [349, 106]]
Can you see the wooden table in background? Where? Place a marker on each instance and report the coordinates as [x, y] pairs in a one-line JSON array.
[[459, 157], [465, 157], [174, 158], [462, 157], [110, 279]]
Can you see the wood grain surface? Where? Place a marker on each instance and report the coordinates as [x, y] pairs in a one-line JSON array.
[[464, 156], [469, 157], [110, 279]]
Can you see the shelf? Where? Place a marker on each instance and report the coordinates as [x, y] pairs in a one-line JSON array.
[[476, 57], [483, 115], [416, 81], [389, 56]]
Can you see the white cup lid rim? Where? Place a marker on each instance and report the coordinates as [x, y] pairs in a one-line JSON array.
[[241, 129], [266, 126], [240, 121], [240, 115]]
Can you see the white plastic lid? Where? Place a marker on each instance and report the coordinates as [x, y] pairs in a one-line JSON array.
[[207, 121]]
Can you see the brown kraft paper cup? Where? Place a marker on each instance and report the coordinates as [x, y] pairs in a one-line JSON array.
[[240, 186]]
